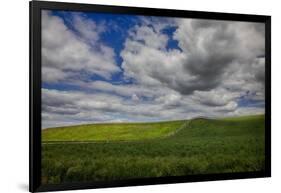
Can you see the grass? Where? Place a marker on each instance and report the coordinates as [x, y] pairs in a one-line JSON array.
[[111, 131], [199, 146]]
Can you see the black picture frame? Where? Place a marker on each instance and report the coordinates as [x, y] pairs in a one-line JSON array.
[[35, 93]]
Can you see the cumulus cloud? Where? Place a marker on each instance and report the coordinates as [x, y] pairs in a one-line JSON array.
[[214, 69], [215, 97], [87, 29], [209, 48], [61, 108], [94, 107], [66, 55]]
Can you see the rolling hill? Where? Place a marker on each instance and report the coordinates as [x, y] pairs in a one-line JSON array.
[[139, 150]]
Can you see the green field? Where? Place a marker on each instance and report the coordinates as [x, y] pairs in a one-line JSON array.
[[101, 152], [111, 131]]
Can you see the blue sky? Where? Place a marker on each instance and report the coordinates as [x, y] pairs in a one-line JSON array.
[[110, 68]]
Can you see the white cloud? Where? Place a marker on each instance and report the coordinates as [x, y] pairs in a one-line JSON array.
[[66, 55], [215, 97], [218, 63], [64, 106], [87, 28], [210, 50]]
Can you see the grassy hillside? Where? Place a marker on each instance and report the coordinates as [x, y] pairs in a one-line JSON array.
[[111, 131], [202, 146]]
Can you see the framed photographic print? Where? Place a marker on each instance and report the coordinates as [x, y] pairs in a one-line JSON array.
[[123, 96]]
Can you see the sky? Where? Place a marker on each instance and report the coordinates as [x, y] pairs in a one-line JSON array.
[[126, 68]]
